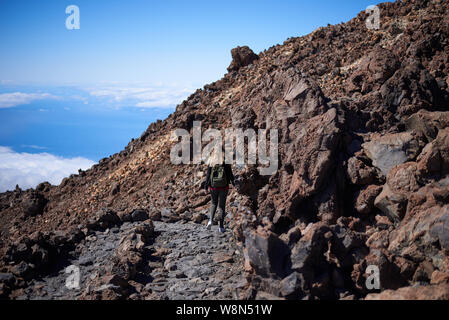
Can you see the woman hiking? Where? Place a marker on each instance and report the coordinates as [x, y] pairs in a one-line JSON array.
[[218, 177]]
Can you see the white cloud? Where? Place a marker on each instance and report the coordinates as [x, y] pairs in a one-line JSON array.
[[33, 146], [28, 170], [144, 97], [8, 100]]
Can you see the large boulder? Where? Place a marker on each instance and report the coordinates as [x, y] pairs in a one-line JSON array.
[[390, 275], [364, 202], [359, 173], [267, 254], [309, 160], [308, 254], [425, 235], [241, 57], [401, 182], [434, 194], [303, 96], [433, 162], [428, 123], [103, 219], [411, 89], [292, 286], [403, 178], [392, 204], [137, 238], [140, 215], [390, 150], [33, 204], [377, 67], [322, 255], [128, 257]]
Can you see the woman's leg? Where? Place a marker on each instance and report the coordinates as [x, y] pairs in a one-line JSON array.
[[213, 204], [222, 206]]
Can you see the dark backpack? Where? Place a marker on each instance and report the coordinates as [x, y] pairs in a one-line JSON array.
[[218, 177]]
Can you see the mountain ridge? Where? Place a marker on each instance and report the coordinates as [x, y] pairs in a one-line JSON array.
[[363, 159]]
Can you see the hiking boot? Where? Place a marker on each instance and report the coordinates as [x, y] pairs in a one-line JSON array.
[[221, 229], [209, 225]]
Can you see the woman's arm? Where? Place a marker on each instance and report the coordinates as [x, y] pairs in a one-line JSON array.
[[206, 185], [229, 174]]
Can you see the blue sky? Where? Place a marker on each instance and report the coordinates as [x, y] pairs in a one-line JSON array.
[[184, 41], [71, 97]]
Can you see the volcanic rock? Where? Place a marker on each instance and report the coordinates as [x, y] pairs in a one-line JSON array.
[[241, 57], [267, 254], [439, 292], [139, 215], [33, 204], [365, 199], [391, 150]]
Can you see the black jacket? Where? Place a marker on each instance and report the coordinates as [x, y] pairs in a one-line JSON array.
[[228, 172]]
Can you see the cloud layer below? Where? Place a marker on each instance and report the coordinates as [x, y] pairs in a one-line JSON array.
[[144, 97], [118, 95], [28, 170], [9, 100]]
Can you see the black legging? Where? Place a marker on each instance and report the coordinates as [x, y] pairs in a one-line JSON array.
[[218, 197]]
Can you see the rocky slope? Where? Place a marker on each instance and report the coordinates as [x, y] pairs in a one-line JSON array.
[[363, 120]]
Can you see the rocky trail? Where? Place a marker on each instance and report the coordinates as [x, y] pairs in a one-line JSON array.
[[184, 261], [201, 264]]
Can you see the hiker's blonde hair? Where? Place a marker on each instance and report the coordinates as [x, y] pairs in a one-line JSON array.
[[216, 157]]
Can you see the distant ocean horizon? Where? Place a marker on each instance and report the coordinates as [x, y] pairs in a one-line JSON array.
[[47, 132]]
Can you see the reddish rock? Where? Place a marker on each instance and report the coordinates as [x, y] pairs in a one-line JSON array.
[[302, 97], [365, 199], [434, 159], [423, 272], [378, 240], [423, 236], [292, 236], [382, 222], [391, 276], [377, 67], [439, 277], [219, 258], [155, 215], [431, 195], [428, 123], [359, 173], [241, 57], [311, 159], [392, 204], [434, 292], [402, 178]]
